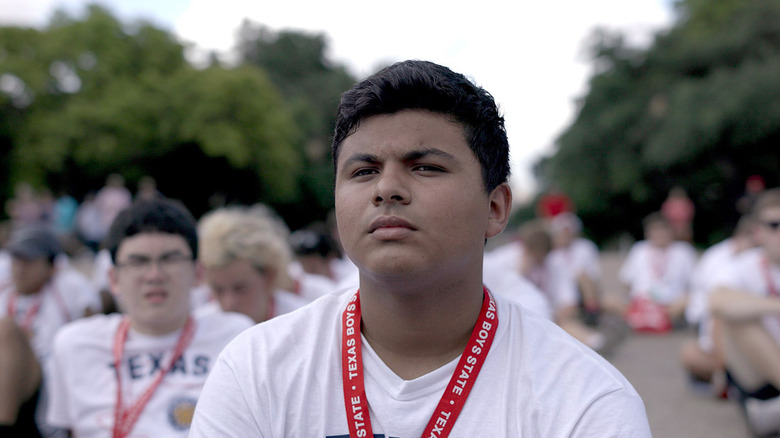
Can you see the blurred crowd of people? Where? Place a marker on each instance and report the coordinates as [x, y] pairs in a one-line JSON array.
[[80, 224], [248, 263], [727, 293], [253, 264]]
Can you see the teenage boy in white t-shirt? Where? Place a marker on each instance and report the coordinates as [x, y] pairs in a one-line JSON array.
[[40, 295], [140, 373], [657, 272], [702, 357], [579, 258], [421, 160], [747, 303], [246, 262]]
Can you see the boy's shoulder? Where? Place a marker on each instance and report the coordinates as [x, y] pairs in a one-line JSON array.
[[82, 331], [309, 320]]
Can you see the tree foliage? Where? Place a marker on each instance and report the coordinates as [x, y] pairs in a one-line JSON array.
[[311, 85], [89, 96], [700, 109]]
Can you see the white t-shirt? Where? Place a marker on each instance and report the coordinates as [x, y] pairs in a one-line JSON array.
[[284, 302], [551, 278], [712, 262], [581, 256], [67, 297], [283, 378], [312, 286], [747, 274], [510, 284], [662, 275], [83, 384]]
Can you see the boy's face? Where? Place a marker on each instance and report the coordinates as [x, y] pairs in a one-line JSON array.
[[410, 198], [768, 232], [659, 234], [240, 287], [30, 275], [153, 277]]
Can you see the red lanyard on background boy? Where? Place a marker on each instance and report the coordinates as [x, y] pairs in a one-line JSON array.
[[125, 419]]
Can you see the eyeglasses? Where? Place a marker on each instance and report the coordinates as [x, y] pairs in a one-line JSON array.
[[772, 225], [168, 263]]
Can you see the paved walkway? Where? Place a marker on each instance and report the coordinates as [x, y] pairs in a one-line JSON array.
[[651, 363]]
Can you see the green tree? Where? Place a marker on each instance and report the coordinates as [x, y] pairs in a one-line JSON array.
[[311, 85], [700, 109], [95, 96]]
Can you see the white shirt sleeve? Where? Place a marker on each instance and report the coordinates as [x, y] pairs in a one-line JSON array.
[[222, 409], [599, 420], [57, 412]]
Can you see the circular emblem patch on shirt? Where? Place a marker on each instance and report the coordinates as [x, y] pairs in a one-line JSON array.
[[180, 412]]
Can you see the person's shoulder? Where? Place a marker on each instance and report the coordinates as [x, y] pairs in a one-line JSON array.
[[718, 247], [303, 324], [718, 253], [549, 350], [513, 287], [287, 301], [639, 246], [218, 323], [85, 330], [586, 244], [684, 247], [323, 307], [749, 257]]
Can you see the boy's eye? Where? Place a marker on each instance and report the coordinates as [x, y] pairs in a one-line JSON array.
[[362, 172], [427, 168]]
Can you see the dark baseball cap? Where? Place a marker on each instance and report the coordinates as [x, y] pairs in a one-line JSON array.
[[33, 242]]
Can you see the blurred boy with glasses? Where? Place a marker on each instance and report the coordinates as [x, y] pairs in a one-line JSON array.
[[141, 372]]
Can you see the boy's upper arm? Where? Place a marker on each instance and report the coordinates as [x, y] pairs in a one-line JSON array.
[[223, 408]]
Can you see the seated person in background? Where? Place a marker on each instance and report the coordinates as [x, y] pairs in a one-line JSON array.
[[246, 263], [312, 269], [702, 357], [530, 257], [43, 294], [579, 259], [140, 373], [421, 347], [746, 302], [657, 273]]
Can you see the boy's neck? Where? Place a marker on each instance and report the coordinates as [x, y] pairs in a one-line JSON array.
[[418, 331]]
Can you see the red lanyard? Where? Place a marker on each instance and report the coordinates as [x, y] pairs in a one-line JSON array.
[[125, 419], [458, 388], [32, 312], [770, 284]]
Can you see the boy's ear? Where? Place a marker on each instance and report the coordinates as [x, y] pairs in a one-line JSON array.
[[500, 206]]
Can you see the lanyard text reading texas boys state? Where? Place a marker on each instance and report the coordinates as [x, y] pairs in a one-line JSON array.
[[458, 388]]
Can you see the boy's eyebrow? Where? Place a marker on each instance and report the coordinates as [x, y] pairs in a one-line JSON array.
[[361, 158], [409, 156], [416, 155], [174, 252]]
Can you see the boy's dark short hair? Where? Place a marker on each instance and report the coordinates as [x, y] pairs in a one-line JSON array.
[[424, 85], [34, 242], [149, 216]]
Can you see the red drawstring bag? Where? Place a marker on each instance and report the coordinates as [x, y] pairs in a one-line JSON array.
[[644, 315]]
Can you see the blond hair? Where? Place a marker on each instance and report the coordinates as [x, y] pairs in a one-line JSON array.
[[235, 233]]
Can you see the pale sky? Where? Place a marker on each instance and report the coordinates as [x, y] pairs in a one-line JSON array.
[[528, 55]]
